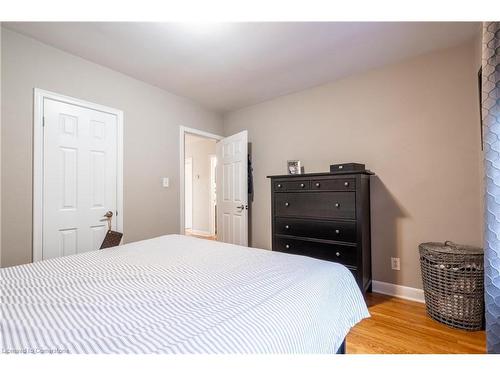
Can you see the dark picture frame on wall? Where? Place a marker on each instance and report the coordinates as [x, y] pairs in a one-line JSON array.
[[480, 87]]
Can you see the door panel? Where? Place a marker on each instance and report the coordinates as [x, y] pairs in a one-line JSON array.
[[69, 242], [80, 172], [97, 178], [232, 202], [69, 177]]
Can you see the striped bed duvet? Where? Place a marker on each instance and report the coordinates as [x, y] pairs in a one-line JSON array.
[[178, 294]]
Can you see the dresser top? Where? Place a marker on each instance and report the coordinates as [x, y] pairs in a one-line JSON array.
[[366, 172]]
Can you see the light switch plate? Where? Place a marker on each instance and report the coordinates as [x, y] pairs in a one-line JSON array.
[[165, 182], [395, 264]]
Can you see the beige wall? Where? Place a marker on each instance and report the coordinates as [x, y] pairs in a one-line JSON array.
[[415, 124], [151, 138], [200, 149]]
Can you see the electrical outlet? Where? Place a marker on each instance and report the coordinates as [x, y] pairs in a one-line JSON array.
[[395, 265]]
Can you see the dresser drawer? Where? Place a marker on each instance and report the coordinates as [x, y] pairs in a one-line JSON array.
[[292, 185], [344, 231], [337, 253], [344, 184], [334, 205]]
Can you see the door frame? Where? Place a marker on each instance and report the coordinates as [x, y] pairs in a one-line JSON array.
[[39, 95], [182, 138], [213, 180], [188, 161]]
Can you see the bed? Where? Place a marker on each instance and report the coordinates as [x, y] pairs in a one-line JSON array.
[[179, 294]]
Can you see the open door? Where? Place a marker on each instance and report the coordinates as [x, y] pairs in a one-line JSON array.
[[232, 189]]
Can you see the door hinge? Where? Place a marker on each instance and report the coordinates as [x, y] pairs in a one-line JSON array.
[[43, 121], [116, 213]]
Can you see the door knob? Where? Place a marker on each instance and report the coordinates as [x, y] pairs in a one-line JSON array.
[[242, 207]]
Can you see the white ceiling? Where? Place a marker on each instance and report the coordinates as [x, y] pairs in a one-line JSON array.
[[233, 65]]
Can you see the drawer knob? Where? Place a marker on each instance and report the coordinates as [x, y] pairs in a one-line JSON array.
[[337, 254], [318, 184], [302, 185], [341, 167], [337, 231], [279, 185], [287, 226], [346, 183], [287, 204], [287, 246], [337, 204]]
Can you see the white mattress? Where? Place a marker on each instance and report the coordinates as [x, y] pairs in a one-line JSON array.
[[177, 294]]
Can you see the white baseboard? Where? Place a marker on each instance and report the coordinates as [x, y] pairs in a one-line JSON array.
[[400, 291]]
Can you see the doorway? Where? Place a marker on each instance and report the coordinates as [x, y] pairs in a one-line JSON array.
[[221, 173], [199, 188]]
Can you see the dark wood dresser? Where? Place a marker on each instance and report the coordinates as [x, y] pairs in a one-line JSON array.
[[325, 216]]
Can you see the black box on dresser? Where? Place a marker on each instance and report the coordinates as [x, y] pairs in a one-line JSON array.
[[325, 216], [347, 167]]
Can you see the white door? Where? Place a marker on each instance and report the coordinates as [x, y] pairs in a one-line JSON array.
[[79, 177], [188, 185], [232, 189], [213, 195]]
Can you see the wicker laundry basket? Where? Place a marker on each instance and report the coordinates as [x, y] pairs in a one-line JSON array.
[[453, 278]]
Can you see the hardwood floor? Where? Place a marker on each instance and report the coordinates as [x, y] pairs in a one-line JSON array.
[[190, 233], [399, 326]]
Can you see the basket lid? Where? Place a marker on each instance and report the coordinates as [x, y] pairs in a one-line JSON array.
[[449, 247]]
